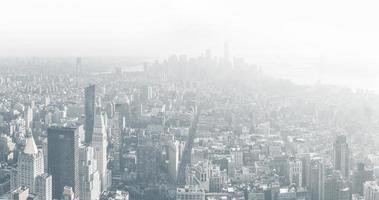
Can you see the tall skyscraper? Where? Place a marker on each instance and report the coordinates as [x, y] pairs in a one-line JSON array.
[[63, 158], [89, 175], [341, 155], [28, 116], [100, 143], [30, 164], [116, 141], [90, 109], [316, 179]]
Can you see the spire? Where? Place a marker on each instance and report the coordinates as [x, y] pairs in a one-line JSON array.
[[30, 146]]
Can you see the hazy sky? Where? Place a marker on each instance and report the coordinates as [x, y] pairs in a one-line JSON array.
[[340, 29]]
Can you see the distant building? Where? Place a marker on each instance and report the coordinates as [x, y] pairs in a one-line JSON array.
[[341, 155], [190, 193], [371, 190], [335, 187], [63, 158], [316, 179], [360, 175], [175, 155], [89, 111], [147, 162], [295, 174], [118, 194]]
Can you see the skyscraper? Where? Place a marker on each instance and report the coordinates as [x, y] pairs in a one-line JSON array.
[[341, 155], [316, 179], [90, 99], [28, 116], [30, 164], [89, 175], [360, 175], [63, 158], [295, 173], [43, 186], [100, 143]]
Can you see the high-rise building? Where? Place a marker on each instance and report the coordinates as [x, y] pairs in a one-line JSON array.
[[371, 190], [30, 164], [341, 155], [90, 109], [100, 143], [43, 187], [89, 175], [316, 179], [295, 172], [147, 162], [28, 116], [6, 147], [63, 158], [175, 151], [335, 188], [116, 141], [360, 175]]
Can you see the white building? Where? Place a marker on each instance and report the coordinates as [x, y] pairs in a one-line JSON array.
[[100, 143], [30, 165], [89, 175], [295, 168], [174, 155], [371, 190]]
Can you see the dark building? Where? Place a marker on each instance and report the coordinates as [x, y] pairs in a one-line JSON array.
[[90, 106], [341, 155], [147, 162], [63, 159]]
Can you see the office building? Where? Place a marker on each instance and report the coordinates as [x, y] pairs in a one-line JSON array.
[[100, 143], [43, 187], [341, 155], [30, 164], [371, 190], [360, 176], [63, 158], [89, 111], [89, 175]]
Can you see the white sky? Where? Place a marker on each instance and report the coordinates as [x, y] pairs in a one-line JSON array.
[[341, 29]]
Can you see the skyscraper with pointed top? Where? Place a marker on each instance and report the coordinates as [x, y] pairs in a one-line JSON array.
[[30, 164]]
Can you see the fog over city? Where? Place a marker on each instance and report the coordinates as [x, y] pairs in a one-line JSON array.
[[189, 100]]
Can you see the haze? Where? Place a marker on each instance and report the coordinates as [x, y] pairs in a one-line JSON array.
[[160, 28]]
